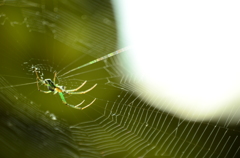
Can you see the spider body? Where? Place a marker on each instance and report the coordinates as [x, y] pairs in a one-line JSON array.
[[55, 88]]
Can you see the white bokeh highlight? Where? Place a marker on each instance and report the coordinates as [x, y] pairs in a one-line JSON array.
[[188, 54]]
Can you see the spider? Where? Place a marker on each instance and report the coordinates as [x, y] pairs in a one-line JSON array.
[[55, 88]]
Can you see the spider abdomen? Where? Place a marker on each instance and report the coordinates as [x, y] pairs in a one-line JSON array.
[[58, 89]]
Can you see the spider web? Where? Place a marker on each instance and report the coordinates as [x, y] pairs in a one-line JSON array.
[[65, 36]]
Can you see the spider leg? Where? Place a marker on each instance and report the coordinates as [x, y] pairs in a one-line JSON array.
[[42, 90], [39, 79], [45, 91], [86, 105], [82, 92], [73, 90], [37, 74], [76, 106], [55, 76]]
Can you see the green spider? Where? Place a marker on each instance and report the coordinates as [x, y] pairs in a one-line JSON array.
[[55, 88]]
